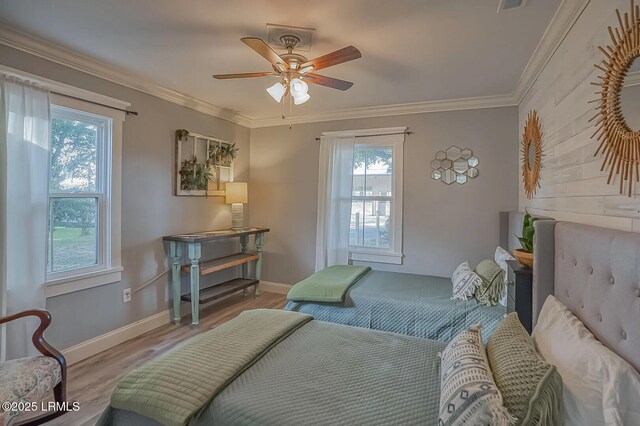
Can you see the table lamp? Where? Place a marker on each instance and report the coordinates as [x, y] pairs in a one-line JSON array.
[[236, 195]]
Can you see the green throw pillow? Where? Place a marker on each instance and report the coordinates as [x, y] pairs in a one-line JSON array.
[[531, 388], [492, 282]]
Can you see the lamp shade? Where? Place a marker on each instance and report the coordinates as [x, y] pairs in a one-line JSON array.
[[236, 192], [301, 99], [277, 91], [298, 88]]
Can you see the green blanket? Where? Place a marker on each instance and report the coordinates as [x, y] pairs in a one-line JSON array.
[[328, 285], [174, 388]]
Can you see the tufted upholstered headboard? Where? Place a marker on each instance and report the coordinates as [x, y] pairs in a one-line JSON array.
[[595, 272]]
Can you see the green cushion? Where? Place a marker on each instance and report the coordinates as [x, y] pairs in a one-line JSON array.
[[492, 282], [531, 388]]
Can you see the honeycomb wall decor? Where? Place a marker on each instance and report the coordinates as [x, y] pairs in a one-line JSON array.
[[454, 165]]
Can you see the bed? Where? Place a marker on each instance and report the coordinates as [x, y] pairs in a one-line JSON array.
[[595, 272], [414, 305], [324, 373]]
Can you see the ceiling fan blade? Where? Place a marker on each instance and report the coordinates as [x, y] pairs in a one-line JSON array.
[[265, 51], [243, 75], [322, 80], [334, 58]]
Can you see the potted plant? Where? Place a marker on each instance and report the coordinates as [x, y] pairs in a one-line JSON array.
[[194, 175], [182, 134], [187, 175], [525, 254], [227, 154]]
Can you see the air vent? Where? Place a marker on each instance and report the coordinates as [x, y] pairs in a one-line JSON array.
[[511, 4], [274, 32]]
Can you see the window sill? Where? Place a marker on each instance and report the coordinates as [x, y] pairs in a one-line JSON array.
[[377, 257], [82, 282]]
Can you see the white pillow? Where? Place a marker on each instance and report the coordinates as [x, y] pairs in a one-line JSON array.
[[500, 257], [600, 388], [465, 281]]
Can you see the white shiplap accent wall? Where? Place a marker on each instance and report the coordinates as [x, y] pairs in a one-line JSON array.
[[573, 187]]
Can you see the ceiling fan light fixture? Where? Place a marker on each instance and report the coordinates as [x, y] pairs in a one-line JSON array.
[[298, 88], [276, 91], [301, 99]]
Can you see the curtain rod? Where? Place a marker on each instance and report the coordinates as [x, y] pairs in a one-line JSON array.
[[127, 112], [381, 134]]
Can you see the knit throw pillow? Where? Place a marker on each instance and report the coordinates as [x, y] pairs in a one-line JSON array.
[[492, 282], [468, 394], [465, 282], [531, 388]]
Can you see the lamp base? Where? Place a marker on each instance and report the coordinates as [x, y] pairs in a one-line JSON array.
[[237, 216]]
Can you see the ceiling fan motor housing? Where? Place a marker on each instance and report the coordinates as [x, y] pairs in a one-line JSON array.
[[290, 41]]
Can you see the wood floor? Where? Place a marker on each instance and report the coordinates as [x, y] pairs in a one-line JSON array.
[[90, 382]]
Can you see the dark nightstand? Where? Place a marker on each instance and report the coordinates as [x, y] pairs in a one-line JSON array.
[[519, 291]]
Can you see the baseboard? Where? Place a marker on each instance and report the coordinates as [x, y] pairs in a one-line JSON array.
[[272, 287], [108, 340]]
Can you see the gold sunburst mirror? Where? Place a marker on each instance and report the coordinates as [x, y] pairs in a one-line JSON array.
[[619, 143], [531, 150]]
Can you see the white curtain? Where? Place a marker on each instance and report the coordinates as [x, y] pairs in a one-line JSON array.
[[334, 201], [24, 165]]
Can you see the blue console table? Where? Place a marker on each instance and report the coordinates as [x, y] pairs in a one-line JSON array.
[[197, 268]]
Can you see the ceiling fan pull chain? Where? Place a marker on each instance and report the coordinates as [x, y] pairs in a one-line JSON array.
[[284, 107], [290, 109]]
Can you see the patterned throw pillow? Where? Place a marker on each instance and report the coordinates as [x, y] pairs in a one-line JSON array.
[[531, 388], [465, 282], [468, 394], [492, 282]]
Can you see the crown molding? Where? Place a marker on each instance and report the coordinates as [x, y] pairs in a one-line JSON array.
[[54, 52], [562, 22], [388, 110], [65, 89], [567, 14]]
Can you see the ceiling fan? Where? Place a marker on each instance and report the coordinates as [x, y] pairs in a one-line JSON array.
[[294, 70]]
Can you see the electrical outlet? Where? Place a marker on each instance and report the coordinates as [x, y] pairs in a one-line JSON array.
[[126, 295]]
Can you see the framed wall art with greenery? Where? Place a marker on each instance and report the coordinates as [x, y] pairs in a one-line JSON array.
[[203, 164]]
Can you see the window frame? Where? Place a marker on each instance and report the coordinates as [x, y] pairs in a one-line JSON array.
[[394, 138], [108, 192], [101, 194]]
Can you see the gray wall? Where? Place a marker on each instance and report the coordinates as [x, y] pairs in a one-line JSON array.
[[443, 225], [149, 210]]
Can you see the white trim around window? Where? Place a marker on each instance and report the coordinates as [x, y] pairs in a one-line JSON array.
[[75, 98], [108, 269], [389, 137]]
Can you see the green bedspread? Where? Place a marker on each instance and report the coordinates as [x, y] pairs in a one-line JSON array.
[[328, 285], [326, 374], [174, 388]]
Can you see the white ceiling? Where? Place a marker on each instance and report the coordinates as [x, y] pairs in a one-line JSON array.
[[412, 50]]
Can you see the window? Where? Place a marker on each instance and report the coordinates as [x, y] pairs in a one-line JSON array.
[[371, 197], [84, 187], [77, 191], [376, 200], [83, 240]]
